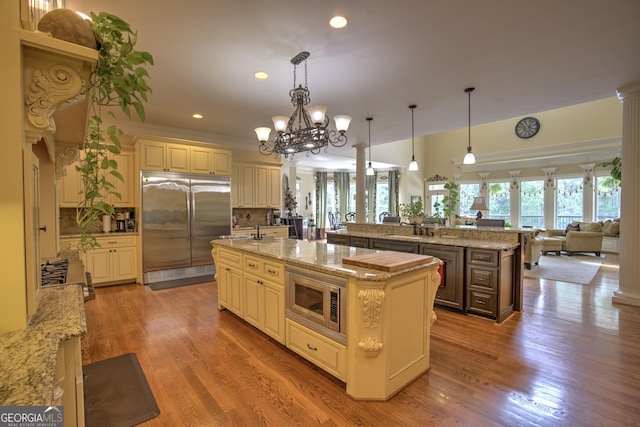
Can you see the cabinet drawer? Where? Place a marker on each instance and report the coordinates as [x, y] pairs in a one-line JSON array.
[[482, 302], [394, 245], [323, 352], [483, 278], [338, 239], [116, 241], [482, 257], [274, 271], [229, 258], [252, 265], [360, 242]]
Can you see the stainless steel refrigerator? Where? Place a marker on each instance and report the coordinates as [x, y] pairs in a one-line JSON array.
[[181, 214]]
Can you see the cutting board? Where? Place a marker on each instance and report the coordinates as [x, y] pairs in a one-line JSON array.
[[387, 261]]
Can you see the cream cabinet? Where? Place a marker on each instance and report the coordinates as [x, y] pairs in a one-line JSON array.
[[229, 278], [160, 156], [255, 186], [69, 388], [210, 161], [71, 186], [264, 296], [115, 261], [267, 231]]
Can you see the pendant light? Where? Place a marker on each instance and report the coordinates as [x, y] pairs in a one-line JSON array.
[[413, 166], [469, 158], [370, 171]]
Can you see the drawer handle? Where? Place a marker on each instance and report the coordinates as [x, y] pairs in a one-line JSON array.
[[312, 348], [112, 243], [227, 269], [481, 279], [252, 265], [271, 271], [481, 302]]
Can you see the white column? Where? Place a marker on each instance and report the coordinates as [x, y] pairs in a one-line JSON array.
[[629, 286], [361, 215], [549, 197], [514, 199], [587, 193]]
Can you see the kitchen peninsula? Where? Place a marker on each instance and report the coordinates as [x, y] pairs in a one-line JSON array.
[[482, 272], [388, 308]]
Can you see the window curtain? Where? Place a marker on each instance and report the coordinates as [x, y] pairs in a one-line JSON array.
[[394, 189], [370, 183], [321, 200], [341, 182]]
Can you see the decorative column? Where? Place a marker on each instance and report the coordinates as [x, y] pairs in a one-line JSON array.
[[549, 197], [587, 193], [629, 286], [514, 198], [361, 215]]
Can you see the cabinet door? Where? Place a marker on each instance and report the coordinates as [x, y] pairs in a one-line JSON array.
[[274, 193], [124, 263], [235, 292], [99, 265], [236, 183], [253, 301], [201, 160], [261, 174], [274, 311], [125, 162], [247, 191], [222, 162], [152, 156], [70, 186], [178, 158]]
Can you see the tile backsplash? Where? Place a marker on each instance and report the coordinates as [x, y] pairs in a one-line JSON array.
[[68, 223]]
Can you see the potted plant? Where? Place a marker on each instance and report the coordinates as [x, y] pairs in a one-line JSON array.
[[450, 201], [413, 212], [117, 81]]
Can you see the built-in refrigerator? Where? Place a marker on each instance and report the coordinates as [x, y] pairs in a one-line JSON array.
[[181, 214]]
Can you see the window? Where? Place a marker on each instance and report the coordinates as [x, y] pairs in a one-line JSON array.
[[382, 198], [467, 194], [499, 201], [532, 203], [435, 194], [569, 201], [607, 198]]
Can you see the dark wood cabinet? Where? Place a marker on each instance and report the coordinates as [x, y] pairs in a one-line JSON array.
[[490, 290], [394, 245], [451, 293], [297, 226], [339, 239]]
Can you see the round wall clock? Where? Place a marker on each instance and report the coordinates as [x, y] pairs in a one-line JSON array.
[[527, 127]]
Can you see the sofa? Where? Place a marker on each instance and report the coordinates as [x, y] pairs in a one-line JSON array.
[[580, 237]]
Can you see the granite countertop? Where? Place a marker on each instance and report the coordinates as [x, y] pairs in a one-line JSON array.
[[28, 357], [261, 227], [448, 241], [323, 257]]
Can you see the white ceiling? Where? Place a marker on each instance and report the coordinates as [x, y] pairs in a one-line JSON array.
[[522, 56]]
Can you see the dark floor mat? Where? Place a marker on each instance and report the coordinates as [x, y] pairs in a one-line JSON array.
[[117, 394], [157, 286]]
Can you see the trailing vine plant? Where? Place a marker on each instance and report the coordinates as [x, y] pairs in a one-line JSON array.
[[117, 81]]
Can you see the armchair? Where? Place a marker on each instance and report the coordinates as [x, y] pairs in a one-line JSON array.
[[532, 248]]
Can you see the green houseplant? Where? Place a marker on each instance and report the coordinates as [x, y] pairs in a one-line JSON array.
[[413, 212], [451, 199], [117, 81], [616, 170]]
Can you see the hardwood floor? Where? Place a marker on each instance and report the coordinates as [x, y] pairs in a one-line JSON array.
[[569, 359]]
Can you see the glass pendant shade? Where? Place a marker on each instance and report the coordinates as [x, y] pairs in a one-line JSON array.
[[413, 165], [317, 113], [469, 158], [263, 134], [370, 171], [342, 122], [280, 123]]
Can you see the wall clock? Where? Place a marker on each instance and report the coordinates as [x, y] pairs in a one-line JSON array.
[[527, 127]]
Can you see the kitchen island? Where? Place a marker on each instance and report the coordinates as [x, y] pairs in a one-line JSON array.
[[388, 313]]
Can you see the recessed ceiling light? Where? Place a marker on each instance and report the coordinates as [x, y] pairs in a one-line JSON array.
[[338, 22], [260, 75], [197, 116]]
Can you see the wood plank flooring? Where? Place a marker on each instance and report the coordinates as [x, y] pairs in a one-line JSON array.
[[571, 358]]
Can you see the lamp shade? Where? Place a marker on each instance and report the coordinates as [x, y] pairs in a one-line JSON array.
[[413, 165], [370, 171], [342, 122], [263, 134], [479, 204], [280, 123], [469, 158], [317, 113]]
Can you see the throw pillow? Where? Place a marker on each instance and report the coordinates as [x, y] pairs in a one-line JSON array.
[[571, 227], [613, 230]]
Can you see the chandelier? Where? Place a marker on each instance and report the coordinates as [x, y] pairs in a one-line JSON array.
[[306, 129]]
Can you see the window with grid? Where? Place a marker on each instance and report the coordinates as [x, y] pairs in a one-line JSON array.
[[532, 203], [569, 201], [500, 201]]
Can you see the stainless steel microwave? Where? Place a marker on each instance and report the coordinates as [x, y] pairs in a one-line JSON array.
[[318, 301]]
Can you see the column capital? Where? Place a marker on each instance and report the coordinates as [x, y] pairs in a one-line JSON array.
[[628, 91]]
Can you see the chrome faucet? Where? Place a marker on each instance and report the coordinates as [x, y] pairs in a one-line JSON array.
[[257, 235]]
